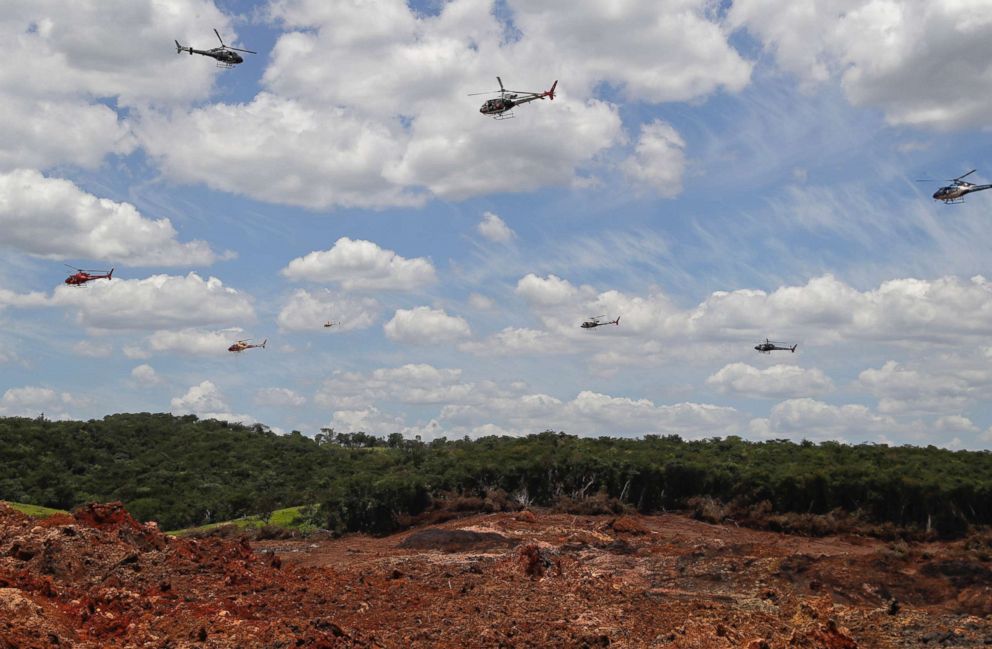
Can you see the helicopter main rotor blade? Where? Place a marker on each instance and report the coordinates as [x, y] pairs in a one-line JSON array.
[[965, 175], [491, 92], [238, 49], [500, 84], [219, 38]]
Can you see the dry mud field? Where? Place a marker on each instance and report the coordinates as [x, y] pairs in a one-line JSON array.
[[100, 579]]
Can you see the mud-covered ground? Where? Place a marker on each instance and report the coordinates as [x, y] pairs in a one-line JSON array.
[[100, 579]]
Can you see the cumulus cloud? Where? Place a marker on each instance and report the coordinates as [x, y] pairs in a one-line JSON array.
[[145, 375], [593, 413], [777, 381], [924, 63], [494, 228], [658, 159], [309, 310], [362, 265], [546, 291], [413, 383], [480, 302], [61, 58], [374, 113], [92, 349], [53, 218], [425, 326], [514, 340], [189, 341], [31, 401], [807, 418], [206, 401], [279, 397], [156, 302], [903, 388]]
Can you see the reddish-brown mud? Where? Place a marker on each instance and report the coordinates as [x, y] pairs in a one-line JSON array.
[[100, 579]]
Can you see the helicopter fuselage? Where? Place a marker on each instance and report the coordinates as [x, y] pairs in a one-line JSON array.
[[958, 190], [225, 56]]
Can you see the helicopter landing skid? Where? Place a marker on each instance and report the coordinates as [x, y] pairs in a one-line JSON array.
[[224, 66], [503, 116]]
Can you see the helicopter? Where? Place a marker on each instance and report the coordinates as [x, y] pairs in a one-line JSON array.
[[955, 192], [329, 324], [595, 321], [81, 276], [500, 107], [242, 345], [769, 346], [227, 57]]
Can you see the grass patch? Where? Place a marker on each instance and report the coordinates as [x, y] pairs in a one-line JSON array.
[[35, 510], [291, 518]]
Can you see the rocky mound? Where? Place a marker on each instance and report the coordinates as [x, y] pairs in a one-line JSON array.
[[455, 540]]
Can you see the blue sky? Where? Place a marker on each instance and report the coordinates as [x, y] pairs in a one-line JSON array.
[[714, 174]]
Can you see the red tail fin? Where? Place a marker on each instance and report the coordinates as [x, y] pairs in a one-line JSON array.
[[551, 93]]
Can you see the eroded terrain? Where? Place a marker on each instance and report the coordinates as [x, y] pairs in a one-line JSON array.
[[100, 579]]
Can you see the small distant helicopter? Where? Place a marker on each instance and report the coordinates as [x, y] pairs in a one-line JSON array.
[[81, 276], [329, 324], [955, 192], [500, 107], [595, 321], [769, 346], [227, 57], [242, 345]]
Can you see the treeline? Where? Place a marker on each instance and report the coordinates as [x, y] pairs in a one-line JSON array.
[[182, 471]]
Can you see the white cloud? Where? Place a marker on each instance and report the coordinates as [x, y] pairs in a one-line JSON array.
[[31, 401], [145, 375], [480, 302], [362, 265], [924, 63], [310, 310], [494, 228], [92, 349], [54, 218], [45, 133], [410, 384], [672, 51], [591, 413], [548, 291], [279, 397], [280, 150], [202, 397], [156, 302], [811, 419], [513, 341], [425, 326], [939, 387], [658, 159], [956, 424], [190, 342], [777, 381]]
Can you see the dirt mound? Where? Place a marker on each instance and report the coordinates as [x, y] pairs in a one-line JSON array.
[[456, 540]]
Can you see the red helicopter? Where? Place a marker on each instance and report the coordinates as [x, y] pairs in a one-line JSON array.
[[81, 276], [242, 345]]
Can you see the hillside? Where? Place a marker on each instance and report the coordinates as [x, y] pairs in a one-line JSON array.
[[184, 472]]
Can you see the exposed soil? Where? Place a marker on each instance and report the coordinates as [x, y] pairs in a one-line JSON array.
[[100, 579]]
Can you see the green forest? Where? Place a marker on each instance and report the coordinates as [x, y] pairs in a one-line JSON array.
[[182, 471]]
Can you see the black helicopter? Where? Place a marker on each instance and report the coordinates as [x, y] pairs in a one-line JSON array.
[[769, 346], [500, 107], [595, 321], [955, 192], [227, 57]]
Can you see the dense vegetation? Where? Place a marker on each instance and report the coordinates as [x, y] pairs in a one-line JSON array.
[[182, 472]]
